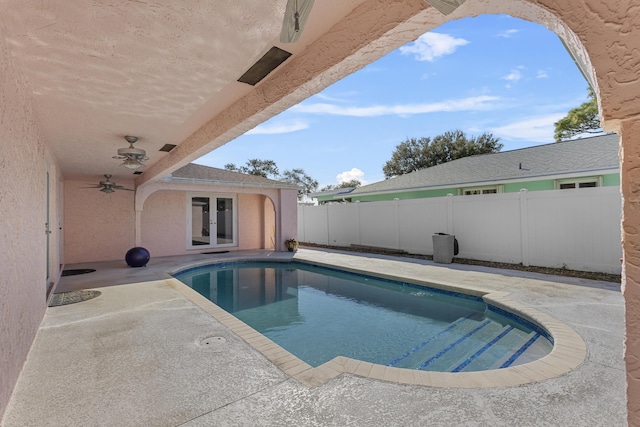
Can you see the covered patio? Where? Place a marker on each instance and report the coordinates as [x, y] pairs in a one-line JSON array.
[[77, 78], [146, 353]]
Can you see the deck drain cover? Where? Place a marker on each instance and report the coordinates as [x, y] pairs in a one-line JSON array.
[[75, 272], [215, 343], [65, 298]]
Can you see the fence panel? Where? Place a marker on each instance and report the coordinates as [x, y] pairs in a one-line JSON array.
[[578, 229], [379, 224], [418, 220], [488, 227], [344, 228], [312, 224]]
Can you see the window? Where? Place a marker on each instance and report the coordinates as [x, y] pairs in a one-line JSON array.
[[572, 183], [492, 189]]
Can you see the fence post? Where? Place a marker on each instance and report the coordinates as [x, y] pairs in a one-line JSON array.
[[301, 228], [328, 205], [397, 221], [524, 227], [358, 222]]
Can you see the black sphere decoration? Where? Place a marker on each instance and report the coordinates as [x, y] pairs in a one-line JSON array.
[[137, 257]]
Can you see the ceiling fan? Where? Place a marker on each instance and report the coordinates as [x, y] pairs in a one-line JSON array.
[[133, 157], [109, 186], [295, 18]]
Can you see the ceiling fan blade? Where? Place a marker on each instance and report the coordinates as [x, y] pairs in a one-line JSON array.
[[295, 18], [445, 6], [119, 187], [93, 186]]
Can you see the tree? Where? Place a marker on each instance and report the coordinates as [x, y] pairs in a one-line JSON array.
[[298, 177], [346, 184], [582, 119], [257, 167], [268, 168], [415, 154]]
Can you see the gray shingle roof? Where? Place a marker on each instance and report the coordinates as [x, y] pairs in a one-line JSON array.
[[560, 158], [223, 176]]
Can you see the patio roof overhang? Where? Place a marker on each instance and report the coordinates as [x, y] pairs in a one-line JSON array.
[[168, 74]]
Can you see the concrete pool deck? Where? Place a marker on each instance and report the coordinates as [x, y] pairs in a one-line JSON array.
[[143, 353]]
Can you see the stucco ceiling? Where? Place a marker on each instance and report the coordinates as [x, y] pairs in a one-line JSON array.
[[167, 71], [100, 70]]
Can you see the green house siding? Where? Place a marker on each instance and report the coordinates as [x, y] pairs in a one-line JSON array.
[[547, 184], [405, 195], [611, 180]]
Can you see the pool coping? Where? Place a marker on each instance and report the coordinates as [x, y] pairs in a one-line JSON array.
[[569, 349]]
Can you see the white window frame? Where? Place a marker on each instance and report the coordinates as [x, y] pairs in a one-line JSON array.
[[577, 181]]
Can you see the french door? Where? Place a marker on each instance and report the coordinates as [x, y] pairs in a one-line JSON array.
[[211, 220]]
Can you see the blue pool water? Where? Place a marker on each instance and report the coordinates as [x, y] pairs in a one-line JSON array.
[[319, 313]]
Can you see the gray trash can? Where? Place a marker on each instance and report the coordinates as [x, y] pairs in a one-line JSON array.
[[443, 248]]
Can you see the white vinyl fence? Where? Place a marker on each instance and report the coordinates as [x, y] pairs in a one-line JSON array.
[[577, 229]]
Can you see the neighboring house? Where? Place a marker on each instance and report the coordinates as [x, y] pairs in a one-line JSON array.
[[196, 208], [335, 195], [579, 163]]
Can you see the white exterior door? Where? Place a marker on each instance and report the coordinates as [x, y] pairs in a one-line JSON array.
[[211, 220]]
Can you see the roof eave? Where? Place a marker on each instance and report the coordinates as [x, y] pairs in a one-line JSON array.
[[180, 180], [574, 174]]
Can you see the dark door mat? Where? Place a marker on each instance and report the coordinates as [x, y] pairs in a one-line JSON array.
[[213, 253], [65, 298], [77, 271]]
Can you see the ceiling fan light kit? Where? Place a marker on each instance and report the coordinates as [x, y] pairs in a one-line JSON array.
[[133, 157], [107, 186]]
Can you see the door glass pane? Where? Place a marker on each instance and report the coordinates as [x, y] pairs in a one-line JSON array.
[[200, 233], [224, 220]]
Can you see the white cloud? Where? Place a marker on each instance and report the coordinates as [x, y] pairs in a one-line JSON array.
[[431, 46], [508, 33], [347, 176], [513, 76], [340, 98], [534, 129], [542, 74], [277, 128], [465, 104]]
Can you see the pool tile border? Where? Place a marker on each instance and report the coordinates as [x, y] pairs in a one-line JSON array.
[[569, 349]]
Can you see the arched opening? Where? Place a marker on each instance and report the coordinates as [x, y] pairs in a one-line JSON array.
[[605, 51]]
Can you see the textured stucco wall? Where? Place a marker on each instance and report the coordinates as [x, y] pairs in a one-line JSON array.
[[630, 185], [164, 222], [270, 224], [22, 224], [97, 226], [251, 220]]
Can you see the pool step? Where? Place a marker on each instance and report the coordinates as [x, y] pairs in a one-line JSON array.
[[432, 346], [531, 348], [472, 345], [488, 356], [467, 350]]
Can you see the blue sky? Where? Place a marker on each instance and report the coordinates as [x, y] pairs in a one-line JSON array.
[[492, 73]]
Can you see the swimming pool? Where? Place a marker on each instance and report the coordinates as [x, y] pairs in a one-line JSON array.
[[318, 313]]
